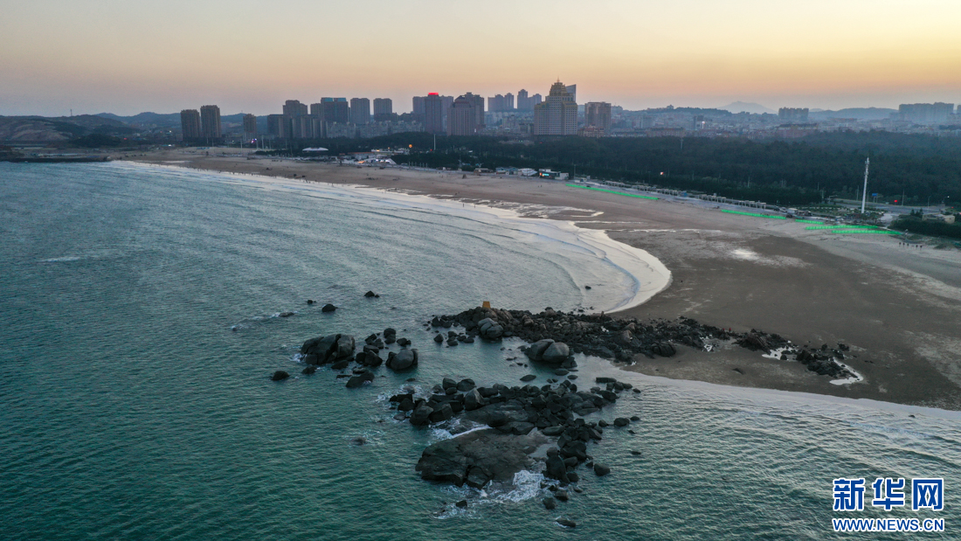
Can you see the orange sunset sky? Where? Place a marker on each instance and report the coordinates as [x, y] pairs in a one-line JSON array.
[[129, 56]]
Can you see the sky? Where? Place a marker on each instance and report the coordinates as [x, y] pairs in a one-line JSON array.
[[129, 56]]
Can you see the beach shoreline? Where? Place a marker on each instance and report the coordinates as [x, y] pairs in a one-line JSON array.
[[895, 308]]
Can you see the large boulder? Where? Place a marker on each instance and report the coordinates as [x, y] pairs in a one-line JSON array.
[[360, 379], [478, 457], [490, 329], [536, 350], [328, 349], [557, 353], [405, 359], [279, 375]]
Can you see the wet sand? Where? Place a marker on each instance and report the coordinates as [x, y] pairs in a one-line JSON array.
[[896, 307]]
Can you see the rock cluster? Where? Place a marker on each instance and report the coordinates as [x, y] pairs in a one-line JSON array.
[[551, 332], [520, 419]]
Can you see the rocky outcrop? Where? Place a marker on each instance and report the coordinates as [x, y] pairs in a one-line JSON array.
[[479, 457], [328, 349], [618, 339]]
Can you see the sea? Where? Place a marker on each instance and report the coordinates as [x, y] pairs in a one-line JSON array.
[[141, 319]]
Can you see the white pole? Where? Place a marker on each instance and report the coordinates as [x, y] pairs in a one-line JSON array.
[[864, 196]]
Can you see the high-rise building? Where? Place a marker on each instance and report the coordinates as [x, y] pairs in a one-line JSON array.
[[360, 111], [926, 113], [462, 117], [275, 126], [789, 114], [572, 90], [501, 104], [336, 110], [383, 109], [296, 123], [557, 115], [478, 102], [250, 125], [523, 102], [597, 114], [190, 124], [210, 122], [433, 113], [419, 104]]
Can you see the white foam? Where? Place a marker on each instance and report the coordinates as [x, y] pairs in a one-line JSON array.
[[855, 378]]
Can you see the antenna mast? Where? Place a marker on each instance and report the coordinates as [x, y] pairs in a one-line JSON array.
[[864, 196]]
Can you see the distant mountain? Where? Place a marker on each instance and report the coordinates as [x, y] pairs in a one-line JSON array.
[[147, 120], [742, 107], [860, 113], [29, 129]]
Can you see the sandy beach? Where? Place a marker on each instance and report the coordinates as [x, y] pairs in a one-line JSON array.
[[895, 306]]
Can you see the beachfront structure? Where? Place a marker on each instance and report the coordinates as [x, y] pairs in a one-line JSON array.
[[597, 115], [359, 111], [557, 115], [190, 124], [210, 122]]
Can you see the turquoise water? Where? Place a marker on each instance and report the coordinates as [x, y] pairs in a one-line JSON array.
[[139, 330]]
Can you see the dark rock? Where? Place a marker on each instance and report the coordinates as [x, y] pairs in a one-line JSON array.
[[556, 353], [561, 495], [478, 457], [601, 470], [664, 349], [421, 415], [490, 330], [439, 415], [363, 377], [310, 301], [405, 359], [439, 338], [340, 365], [567, 523], [621, 421], [328, 349], [279, 376], [635, 418], [550, 504], [328, 308], [462, 504], [371, 295], [473, 400], [528, 377], [403, 342], [309, 370], [285, 314], [465, 385]]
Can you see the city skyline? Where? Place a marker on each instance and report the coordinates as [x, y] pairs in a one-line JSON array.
[[246, 56]]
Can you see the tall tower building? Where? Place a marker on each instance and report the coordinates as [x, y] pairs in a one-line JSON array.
[[190, 124], [336, 110], [433, 113], [210, 121], [523, 102], [360, 111], [478, 102], [383, 109], [250, 126], [462, 117], [557, 115], [598, 115]]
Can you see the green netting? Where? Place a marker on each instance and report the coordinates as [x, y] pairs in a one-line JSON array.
[[755, 214], [612, 191]]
